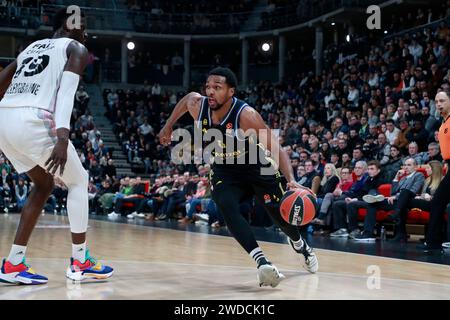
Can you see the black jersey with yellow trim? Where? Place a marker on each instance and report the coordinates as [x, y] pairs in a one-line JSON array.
[[229, 148]]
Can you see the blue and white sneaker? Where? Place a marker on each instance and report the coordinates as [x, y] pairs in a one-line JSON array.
[[20, 274], [90, 269]]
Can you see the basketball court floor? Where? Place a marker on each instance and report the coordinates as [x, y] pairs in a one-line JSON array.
[[155, 261]]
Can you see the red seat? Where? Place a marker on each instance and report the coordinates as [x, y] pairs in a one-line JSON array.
[[130, 205], [415, 216]]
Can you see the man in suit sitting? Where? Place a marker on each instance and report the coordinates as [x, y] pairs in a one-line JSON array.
[[405, 186]]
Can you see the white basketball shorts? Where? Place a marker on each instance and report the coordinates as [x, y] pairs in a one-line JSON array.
[[27, 137]]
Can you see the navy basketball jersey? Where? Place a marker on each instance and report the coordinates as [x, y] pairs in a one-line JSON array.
[[233, 152]]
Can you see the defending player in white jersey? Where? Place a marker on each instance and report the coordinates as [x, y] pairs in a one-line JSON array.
[[38, 93]]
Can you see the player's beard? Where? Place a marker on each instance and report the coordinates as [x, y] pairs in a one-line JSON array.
[[218, 105]]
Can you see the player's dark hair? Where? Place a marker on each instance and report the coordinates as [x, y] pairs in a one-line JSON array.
[[61, 16], [230, 77]]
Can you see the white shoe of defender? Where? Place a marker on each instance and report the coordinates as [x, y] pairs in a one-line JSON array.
[[268, 275], [311, 261]]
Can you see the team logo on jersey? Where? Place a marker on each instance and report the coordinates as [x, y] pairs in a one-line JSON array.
[[205, 122], [267, 198], [229, 129], [33, 66]]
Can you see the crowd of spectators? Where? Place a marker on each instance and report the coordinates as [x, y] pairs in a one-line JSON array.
[[364, 121], [377, 106]]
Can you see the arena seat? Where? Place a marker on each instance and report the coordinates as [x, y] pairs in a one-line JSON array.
[[130, 205]]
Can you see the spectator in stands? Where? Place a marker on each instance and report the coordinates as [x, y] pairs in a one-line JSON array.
[[92, 192], [203, 194], [295, 161], [434, 153], [353, 204], [319, 166], [346, 161], [102, 200], [328, 184], [21, 195], [358, 155], [418, 134], [382, 150], [81, 99], [109, 171], [124, 189], [146, 129], [301, 173], [132, 148], [339, 207], [95, 172], [345, 183], [402, 141], [364, 129], [6, 189], [175, 197], [413, 152], [394, 164], [406, 185], [391, 132], [113, 99], [313, 179], [429, 121], [421, 201], [4, 165], [132, 195], [59, 194]]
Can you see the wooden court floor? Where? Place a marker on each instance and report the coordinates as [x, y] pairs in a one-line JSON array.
[[155, 263]]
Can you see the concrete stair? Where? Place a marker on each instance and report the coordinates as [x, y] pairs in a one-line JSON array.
[[105, 127]]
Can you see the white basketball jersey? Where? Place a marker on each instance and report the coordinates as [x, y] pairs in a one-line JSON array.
[[38, 75]]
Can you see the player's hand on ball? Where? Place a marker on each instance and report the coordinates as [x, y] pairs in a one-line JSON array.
[[295, 185]]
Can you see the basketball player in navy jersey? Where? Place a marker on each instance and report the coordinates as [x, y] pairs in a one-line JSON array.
[[37, 93], [234, 181]]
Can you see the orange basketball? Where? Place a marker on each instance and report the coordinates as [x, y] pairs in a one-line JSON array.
[[298, 207]]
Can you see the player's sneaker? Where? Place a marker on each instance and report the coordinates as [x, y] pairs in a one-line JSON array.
[[20, 274], [90, 269], [268, 275], [311, 262]]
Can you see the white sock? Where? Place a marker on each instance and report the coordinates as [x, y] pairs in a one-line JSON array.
[[79, 252], [258, 256], [17, 254], [298, 244]]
